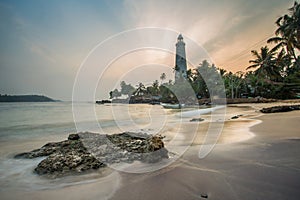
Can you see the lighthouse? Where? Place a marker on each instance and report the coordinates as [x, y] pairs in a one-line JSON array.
[[180, 60]]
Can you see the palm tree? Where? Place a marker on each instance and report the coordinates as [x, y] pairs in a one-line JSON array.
[[189, 75], [265, 64], [141, 90], [154, 89], [252, 83], [162, 77], [283, 61], [295, 22], [288, 31], [222, 71]]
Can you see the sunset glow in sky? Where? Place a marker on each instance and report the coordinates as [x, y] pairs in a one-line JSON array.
[[43, 43]]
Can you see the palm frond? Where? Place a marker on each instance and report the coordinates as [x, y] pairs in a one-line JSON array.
[[274, 39], [252, 66], [278, 21], [255, 53], [280, 45]]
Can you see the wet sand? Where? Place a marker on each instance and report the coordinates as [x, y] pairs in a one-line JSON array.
[[266, 166], [257, 157]]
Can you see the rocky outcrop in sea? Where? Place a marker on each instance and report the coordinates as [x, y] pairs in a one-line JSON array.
[[84, 152], [275, 109]]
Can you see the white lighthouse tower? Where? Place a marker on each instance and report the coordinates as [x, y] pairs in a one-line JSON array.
[[180, 61]]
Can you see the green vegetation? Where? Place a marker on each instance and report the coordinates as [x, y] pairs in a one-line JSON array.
[[25, 98], [277, 70], [273, 72]]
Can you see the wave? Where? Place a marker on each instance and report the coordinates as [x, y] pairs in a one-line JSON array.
[[198, 112], [18, 174]]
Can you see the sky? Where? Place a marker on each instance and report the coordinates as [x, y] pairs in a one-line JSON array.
[[46, 46]]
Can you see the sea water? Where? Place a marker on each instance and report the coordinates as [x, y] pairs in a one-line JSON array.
[[26, 126]]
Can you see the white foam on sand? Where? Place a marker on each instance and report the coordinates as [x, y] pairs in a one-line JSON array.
[[234, 130], [17, 175], [239, 132], [239, 129], [64, 188], [198, 112]]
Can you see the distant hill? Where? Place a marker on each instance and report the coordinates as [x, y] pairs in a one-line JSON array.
[[25, 98]]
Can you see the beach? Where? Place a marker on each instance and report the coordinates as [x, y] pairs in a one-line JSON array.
[[150, 100], [256, 157], [265, 166]]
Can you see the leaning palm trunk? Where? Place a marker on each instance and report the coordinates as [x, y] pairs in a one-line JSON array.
[[298, 38]]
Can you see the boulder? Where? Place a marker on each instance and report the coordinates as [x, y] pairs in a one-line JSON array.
[[235, 117], [276, 109], [196, 120], [60, 164], [73, 137], [85, 152]]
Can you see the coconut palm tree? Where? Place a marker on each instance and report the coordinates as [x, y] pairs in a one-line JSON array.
[[265, 64], [294, 24], [141, 90], [283, 61], [189, 75], [222, 71], [154, 88], [288, 31], [162, 77]]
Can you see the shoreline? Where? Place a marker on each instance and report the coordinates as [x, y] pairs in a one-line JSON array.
[[243, 169]]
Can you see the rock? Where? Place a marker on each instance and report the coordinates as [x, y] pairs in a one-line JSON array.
[[235, 117], [84, 152], [204, 196], [103, 101], [73, 137], [155, 156], [196, 120], [45, 150], [275, 109], [60, 164], [138, 146]]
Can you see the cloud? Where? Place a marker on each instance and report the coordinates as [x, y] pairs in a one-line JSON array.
[[223, 28], [53, 37]]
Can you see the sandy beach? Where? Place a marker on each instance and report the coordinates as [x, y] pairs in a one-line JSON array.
[[264, 166], [256, 157]]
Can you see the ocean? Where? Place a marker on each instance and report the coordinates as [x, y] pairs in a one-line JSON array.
[[31, 120], [267, 158], [27, 126]]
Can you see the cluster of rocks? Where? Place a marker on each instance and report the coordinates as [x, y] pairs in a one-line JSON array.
[[87, 151], [197, 120], [103, 101], [275, 109], [125, 147], [236, 116]]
